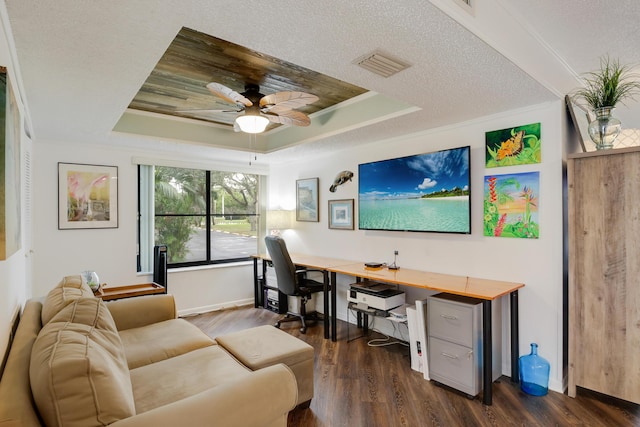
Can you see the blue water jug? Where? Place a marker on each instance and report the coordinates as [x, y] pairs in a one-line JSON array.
[[534, 373]]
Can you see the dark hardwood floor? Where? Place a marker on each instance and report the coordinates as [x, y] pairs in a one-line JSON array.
[[358, 385]]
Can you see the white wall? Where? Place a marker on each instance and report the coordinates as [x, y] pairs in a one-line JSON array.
[[112, 252], [537, 263]]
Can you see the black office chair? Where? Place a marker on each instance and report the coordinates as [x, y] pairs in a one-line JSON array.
[[292, 282]]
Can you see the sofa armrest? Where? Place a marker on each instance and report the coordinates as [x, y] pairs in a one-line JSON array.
[[264, 398], [141, 311]]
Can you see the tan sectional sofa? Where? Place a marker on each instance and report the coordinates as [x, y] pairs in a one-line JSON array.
[[78, 361]]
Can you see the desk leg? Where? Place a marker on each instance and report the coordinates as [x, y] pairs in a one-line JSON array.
[[515, 345], [326, 290], [256, 284], [487, 357], [359, 317], [334, 291]]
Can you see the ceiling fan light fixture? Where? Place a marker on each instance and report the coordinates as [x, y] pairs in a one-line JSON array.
[[250, 123]]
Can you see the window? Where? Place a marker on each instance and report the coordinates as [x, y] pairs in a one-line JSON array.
[[204, 217]]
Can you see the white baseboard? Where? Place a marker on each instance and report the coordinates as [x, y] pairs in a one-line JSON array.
[[215, 307]]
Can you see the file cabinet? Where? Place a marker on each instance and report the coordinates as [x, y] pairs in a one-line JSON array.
[[455, 341]]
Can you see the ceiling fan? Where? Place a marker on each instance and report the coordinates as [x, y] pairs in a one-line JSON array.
[[258, 109]]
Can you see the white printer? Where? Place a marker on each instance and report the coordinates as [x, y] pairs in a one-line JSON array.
[[380, 296]]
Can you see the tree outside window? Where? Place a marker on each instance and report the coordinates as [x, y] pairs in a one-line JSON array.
[[205, 216]]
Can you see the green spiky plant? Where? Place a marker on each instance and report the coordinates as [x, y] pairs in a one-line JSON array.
[[610, 85]]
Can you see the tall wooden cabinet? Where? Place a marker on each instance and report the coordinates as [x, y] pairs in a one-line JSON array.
[[604, 272]]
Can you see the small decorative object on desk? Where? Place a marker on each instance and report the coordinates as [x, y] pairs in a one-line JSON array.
[[534, 373], [91, 278]]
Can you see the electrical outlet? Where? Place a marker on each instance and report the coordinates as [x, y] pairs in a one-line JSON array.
[[395, 252]]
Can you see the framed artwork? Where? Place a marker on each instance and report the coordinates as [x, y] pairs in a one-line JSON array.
[[341, 214], [511, 205], [10, 131], [87, 196], [307, 200], [513, 146]]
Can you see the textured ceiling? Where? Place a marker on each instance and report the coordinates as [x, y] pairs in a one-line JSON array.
[[81, 66]]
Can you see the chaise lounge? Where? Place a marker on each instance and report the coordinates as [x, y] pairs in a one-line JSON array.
[[78, 361]]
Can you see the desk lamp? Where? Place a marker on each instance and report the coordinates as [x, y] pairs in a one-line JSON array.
[[278, 220]]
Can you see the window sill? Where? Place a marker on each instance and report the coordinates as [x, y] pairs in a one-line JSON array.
[[202, 267], [210, 266]]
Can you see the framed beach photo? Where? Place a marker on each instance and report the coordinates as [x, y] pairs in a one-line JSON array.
[[87, 196], [341, 214], [307, 200]]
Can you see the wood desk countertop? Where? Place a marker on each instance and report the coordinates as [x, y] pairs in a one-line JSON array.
[[486, 289], [313, 261]]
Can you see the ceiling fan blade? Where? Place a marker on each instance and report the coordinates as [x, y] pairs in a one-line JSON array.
[[288, 117], [227, 94], [287, 99], [209, 111]]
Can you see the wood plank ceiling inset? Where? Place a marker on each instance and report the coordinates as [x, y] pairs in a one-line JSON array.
[[193, 59]]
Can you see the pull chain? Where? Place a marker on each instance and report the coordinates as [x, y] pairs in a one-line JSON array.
[[252, 147]]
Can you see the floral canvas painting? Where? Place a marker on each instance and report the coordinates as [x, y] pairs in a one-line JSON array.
[[511, 205], [513, 146], [88, 196]]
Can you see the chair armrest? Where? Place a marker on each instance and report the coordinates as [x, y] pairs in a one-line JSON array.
[[302, 274], [265, 396], [141, 311]]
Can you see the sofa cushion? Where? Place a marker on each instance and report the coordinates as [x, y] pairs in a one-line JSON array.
[[69, 289], [87, 311], [79, 374], [162, 340], [183, 376]]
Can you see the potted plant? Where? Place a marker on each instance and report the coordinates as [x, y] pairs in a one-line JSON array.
[[602, 90]]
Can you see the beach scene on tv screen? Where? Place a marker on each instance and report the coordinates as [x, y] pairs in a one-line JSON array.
[[423, 192]]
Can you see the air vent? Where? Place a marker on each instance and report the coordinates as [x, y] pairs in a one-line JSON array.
[[381, 64]]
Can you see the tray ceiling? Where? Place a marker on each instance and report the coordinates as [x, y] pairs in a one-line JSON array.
[[193, 59], [177, 85]]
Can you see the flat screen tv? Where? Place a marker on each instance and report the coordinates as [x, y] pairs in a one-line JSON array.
[[425, 192]]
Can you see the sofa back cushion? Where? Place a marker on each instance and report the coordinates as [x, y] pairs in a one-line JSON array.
[[69, 289], [78, 371], [88, 311]]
